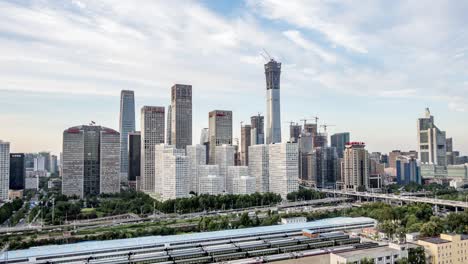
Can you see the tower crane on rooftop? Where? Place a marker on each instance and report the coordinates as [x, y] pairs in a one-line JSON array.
[[325, 127]]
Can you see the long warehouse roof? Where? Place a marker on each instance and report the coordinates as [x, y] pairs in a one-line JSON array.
[[116, 244]]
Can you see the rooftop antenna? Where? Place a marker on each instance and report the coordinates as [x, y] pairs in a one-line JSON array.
[[266, 55], [325, 127]]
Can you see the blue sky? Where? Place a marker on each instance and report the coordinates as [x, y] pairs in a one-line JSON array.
[[367, 67]]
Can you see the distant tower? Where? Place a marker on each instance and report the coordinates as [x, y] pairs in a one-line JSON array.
[[355, 166], [126, 125], [273, 114], [134, 160], [181, 115], [339, 141], [220, 131], [169, 126], [245, 143], [4, 169], [258, 131], [431, 141]]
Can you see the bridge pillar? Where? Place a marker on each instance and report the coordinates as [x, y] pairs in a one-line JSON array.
[[436, 209], [456, 209]]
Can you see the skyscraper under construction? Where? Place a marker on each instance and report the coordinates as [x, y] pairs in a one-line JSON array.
[[273, 114]]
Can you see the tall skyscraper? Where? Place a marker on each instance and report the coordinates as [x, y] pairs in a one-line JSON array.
[[243, 184], [273, 113], [283, 168], [197, 157], [431, 141], [91, 161], [355, 171], [339, 141], [134, 159], [181, 115], [152, 134], [126, 125], [53, 164], [257, 130], [17, 171], [109, 147], [407, 170], [258, 166], [224, 159], [294, 132], [169, 126], [4, 170], [245, 144], [326, 167], [220, 131], [320, 140]]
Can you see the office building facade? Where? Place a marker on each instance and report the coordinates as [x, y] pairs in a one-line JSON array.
[[295, 131], [283, 168], [243, 185], [17, 171], [258, 129], [339, 141], [245, 144], [169, 126], [273, 112], [152, 134], [355, 170], [259, 167], [181, 115], [197, 157], [91, 161], [209, 180], [4, 170], [175, 175], [325, 167], [126, 125], [233, 173], [431, 141], [160, 152], [220, 131], [134, 158], [407, 170], [224, 158]]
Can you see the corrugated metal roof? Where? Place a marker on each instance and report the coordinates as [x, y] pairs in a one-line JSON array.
[[92, 246]]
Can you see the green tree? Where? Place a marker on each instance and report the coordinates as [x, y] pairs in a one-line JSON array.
[[430, 228], [416, 256]]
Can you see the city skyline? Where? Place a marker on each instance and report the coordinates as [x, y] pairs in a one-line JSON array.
[[322, 71]]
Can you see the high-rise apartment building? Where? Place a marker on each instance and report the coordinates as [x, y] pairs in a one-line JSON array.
[[431, 141], [325, 167], [355, 170], [209, 180], [243, 185], [4, 170], [295, 131], [169, 125], [181, 115], [339, 140], [91, 161], [257, 130], [197, 157], [393, 156], [17, 171], [220, 131], [407, 170], [273, 112], [134, 159], [152, 134], [283, 168], [126, 125], [233, 173], [175, 175], [160, 152], [224, 158], [245, 144], [258, 167]]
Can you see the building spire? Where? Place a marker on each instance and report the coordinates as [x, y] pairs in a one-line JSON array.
[[428, 112]]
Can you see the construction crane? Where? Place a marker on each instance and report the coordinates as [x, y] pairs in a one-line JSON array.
[[266, 55], [305, 120], [325, 127], [290, 122], [316, 119]]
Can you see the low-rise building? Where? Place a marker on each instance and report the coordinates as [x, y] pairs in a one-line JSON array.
[[380, 255], [446, 249], [293, 220]]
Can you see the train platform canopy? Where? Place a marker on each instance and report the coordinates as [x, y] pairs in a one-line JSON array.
[[90, 247]]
